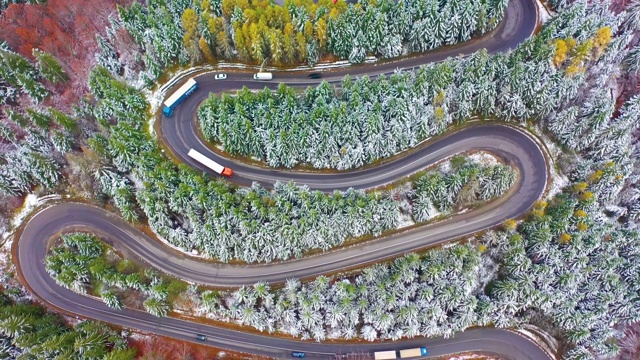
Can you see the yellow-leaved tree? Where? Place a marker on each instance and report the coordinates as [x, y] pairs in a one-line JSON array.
[[601, 41], [190, 37]]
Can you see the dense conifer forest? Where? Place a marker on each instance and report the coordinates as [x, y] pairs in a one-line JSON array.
[[78, 125]]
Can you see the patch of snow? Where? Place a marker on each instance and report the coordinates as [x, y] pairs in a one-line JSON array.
[[545, 341], [471, 356], [5, 250], [544, 14], [154, 98], [334, 333], [483, 158], [449, 245], [152, 121], [134, 78], [7, 268], [558, 180], [405, 220], [487, 271], [180, 311], [31, 202], [370, 59], [445, 167], [433, 212], [138, 336], [179, 249], [405, 50], [138, 184]]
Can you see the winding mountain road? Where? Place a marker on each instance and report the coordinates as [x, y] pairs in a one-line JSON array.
[[180, 134]]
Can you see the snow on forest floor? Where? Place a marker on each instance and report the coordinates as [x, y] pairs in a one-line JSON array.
[[544, 14], [31, 202], [193, 253], [558, 179], [434, 213], [470, 356], [547, 342], [8, 272], [138, 184], [483, 158], [8, 277], [488, 269], [479, 157], [445, 167], [405, 221]]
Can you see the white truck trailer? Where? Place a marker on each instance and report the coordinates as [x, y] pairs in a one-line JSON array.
[[210, 163]]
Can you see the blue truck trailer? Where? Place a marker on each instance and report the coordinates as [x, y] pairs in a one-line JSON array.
[[182, 93]]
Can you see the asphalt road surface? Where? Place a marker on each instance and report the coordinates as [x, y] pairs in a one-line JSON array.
[[179, 135]]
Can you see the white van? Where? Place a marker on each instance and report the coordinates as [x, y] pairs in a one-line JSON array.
[[263, 76]]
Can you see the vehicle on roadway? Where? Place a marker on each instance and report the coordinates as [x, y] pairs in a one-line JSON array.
[[225, 171], [402, 354], [220, 76], [201, 337], [182, 93], [263, 76], [315, 76], [298, 354]]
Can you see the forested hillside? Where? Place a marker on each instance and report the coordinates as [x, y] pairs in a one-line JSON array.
[[555, 80], [27, 331], [544, 80], [301, 31], [49, 50], [570, 266], [46, 53], [225, 223], [84, 264]]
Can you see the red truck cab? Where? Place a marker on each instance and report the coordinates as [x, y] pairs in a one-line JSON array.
[[227, 172]]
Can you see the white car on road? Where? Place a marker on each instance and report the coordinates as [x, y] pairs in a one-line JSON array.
[[220, 76]]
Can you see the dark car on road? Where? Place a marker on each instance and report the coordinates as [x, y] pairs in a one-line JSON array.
[[201, 337], [297, 354], [315, 76]]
